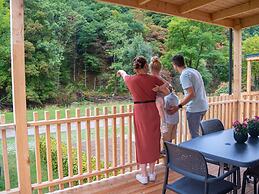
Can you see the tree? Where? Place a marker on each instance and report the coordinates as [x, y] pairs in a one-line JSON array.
[[250, 32], [5, 61], [44, 54], [203, 46], [132, 48]]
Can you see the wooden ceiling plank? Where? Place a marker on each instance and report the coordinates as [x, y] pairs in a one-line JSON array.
[[250, 21], [142, 2], [171, 9], [236, 10], [194, 5]]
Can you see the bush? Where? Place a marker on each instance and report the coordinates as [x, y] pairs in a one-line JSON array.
[[65, 158], [222, 89]]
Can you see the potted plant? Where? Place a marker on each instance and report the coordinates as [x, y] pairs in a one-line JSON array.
[[253, 126], [240, 132]]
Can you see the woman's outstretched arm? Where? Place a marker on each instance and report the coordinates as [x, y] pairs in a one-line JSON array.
[[122, 73]]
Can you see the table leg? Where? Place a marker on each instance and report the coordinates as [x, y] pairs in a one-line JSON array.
[[221, 168], [234, 178]]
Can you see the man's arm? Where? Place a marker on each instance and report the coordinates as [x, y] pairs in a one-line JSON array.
[[186, 99], [189, 97]]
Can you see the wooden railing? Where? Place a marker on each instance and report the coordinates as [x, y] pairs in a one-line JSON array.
[[99, 144], [101, 131]]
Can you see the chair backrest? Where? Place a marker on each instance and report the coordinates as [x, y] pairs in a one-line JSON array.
[[211, 126], [187, 162]]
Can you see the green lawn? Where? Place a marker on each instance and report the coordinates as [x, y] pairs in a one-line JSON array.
[[13, 170], [52, 109]]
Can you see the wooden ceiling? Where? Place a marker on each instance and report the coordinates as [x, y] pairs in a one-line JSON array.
[[229, 13]]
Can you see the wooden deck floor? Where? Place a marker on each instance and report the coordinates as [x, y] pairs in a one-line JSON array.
[[126, 184]]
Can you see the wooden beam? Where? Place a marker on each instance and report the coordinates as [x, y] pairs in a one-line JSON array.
[[19, 95], [252, 59], [237, 67], [12, 191], [171, 9], [250, 21], [249, 76], [142, 2], [194, 5], [236, 10]]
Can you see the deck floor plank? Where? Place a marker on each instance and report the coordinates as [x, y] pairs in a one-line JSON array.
[[127, 184]]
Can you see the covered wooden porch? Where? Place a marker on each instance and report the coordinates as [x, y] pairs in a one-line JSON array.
[[127, 184], [235, 14]]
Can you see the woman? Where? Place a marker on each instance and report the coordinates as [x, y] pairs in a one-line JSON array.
[[146, 117]]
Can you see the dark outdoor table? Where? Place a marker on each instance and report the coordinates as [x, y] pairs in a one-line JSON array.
[[222, 147]]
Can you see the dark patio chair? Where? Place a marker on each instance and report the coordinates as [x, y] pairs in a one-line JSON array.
[[251, 172], [211, 126], [193, 166]]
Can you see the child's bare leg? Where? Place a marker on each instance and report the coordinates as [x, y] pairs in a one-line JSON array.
[[160, 107]]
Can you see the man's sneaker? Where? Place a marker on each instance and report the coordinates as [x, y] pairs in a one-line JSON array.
[[152, 177], [142, 179]]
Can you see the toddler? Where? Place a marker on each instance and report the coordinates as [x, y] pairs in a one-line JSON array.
[[155, 69]]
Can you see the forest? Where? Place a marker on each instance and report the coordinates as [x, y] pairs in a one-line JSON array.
[[74, 48]]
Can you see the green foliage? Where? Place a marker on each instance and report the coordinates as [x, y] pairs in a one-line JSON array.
[[250, 32], [5, 75], [196, 41], [65, 157], [251, 46], [203, 46], [132, 48], [253, 124], [73, 46], [222, 89]]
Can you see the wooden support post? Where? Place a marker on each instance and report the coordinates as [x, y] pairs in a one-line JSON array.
[[19, 94], [248, 80], [237, 65]]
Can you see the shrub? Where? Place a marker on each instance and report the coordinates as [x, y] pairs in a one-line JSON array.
[[65, 158]]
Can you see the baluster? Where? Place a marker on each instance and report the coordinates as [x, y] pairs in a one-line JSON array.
[[37, 150], [59, 149], [122, 140], [114, 140], [88, 143], [48, 145], [97, 142], [5, 156], [69, 147], [79, 146], [130, 136], [106, 143], [180, 132]]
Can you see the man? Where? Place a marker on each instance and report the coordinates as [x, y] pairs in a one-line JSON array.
[[195, 95]]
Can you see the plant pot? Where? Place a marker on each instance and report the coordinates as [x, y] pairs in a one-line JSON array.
[[240, 137], [253, 132]]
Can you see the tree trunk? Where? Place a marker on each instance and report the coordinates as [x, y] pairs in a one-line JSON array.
[[85, 76], [74, 60], [94, 82]]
